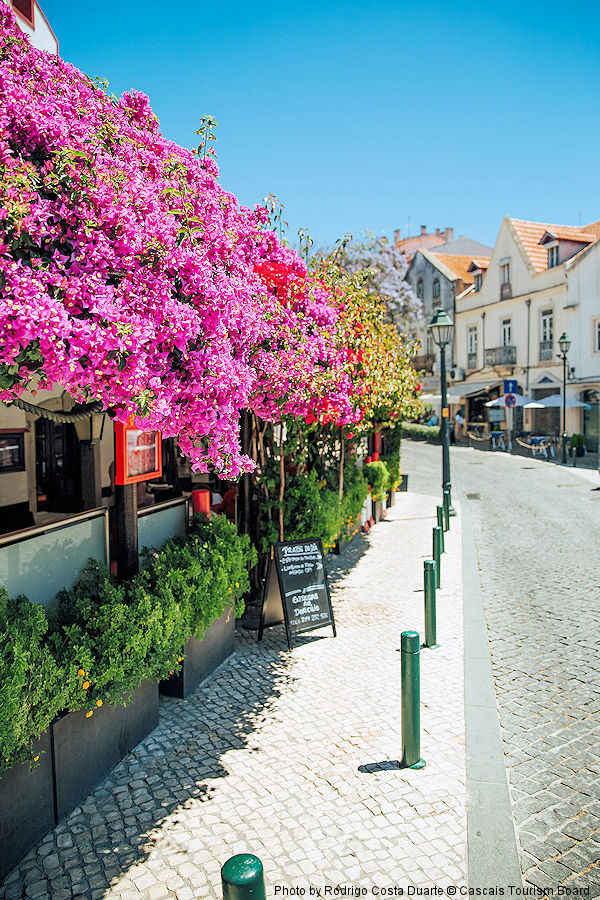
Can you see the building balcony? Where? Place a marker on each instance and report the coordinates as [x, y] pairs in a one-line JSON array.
[[501, 356], [423, 361], [471, 360], [505, 291], [546, 350]]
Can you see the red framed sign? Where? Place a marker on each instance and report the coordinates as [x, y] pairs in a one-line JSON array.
[[138, 454]]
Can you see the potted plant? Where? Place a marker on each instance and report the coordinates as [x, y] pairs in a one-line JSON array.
[[577, 444], [378, 477]]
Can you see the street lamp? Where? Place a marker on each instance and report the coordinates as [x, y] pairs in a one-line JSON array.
[[564, 342], [441, 327]]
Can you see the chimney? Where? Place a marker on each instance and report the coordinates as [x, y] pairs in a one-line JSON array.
[[423, 229], [437, 231], [449, 234], [397, 236]]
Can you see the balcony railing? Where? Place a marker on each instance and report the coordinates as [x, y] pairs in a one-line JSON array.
[[546, 350], [501, 356], [505, 291], [424, 361], [471, 360]]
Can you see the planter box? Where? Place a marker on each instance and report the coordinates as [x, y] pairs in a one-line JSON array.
[[202, 657], [403, 486], [26, 806], [86, 750], [377, 510], [390, 499]]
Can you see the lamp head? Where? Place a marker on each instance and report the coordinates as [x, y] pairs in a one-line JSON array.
[[441, 328], [564, 342]]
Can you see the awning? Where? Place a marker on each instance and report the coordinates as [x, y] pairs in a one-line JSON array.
[[470, 388]]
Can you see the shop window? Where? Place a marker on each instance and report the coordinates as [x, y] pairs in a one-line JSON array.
[[12, 452]]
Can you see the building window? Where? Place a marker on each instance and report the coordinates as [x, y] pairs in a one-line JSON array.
[[505, 273], [472, 340], [478, 281], [24, 8], [597, 336], [552, 257], [420, 288], [436, 288], [506, 332], [547, 325], [12, 452]]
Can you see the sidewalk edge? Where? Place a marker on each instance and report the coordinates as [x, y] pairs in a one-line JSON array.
[[492, 853]]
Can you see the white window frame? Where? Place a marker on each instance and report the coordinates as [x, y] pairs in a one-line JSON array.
[[472, 339], [478, 281], [505, 271], [596, 337], [552, 255], [506, 331], [546, 333]]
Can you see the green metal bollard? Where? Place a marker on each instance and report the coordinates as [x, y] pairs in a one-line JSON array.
[[437, 554], [446, 510], [440, 521], [242, 878], [430, 617], [411, 701]]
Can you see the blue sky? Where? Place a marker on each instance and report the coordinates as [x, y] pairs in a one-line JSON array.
[[367, 116]]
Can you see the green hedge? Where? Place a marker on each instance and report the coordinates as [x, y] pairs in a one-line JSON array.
[[429, 433], [102, 640], [378, 476]]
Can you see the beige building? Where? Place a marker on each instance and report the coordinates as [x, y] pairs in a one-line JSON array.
[[509, 321]]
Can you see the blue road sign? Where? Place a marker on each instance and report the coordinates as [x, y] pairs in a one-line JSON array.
[[510, 400], [510, 386]]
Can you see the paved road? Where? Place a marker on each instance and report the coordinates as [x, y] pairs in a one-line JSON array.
[[537, 530]]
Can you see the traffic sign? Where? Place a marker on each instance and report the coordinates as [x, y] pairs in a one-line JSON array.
[[510, 400], [510, 386]]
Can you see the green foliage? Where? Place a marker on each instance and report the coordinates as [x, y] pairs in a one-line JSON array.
[[102, 640], [378, 477], [392, 463], [32, 683], [577, 442], [356, 489], [429, 433], [311, 509]]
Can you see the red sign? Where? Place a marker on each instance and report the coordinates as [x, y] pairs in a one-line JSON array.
[[510, 400], [138, 454]]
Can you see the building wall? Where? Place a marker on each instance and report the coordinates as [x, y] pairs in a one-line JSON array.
[[421, 267], [41, 34]]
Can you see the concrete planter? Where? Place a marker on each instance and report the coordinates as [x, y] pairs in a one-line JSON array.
[[26, 806], [86, 750], [202, 657], [378, 510]]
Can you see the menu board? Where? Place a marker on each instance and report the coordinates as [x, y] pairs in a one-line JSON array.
[[296, 591]]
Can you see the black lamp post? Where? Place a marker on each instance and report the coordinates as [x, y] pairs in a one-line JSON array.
[[441, 327], [564, 342]]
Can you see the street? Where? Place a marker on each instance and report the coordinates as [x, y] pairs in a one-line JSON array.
[[536, 531]]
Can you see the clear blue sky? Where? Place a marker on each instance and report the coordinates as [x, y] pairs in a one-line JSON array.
[[367, 115]]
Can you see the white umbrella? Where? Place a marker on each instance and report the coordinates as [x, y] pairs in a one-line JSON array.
[[554, 401], [519, 401]]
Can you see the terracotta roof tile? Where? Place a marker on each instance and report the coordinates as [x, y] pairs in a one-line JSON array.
[[458, 265], [530, 234]]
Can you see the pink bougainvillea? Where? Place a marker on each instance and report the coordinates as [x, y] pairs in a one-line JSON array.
[[129, 275]]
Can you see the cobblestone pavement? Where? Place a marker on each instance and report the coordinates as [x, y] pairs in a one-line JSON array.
[[536, 529], [292, 755]]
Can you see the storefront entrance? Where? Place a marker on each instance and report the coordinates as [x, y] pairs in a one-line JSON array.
[[591, 419], [57, 467]]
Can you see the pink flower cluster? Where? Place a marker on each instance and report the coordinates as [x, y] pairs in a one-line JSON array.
[[129, 275]]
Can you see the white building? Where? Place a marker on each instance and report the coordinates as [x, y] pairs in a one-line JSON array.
[[508, 323], [33, 22]]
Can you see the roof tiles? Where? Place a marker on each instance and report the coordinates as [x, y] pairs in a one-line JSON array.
[[530, 234]]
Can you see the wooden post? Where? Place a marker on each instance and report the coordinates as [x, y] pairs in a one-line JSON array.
[[91, 486], [126, 530]]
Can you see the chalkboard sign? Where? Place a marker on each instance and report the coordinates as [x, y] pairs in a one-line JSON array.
[[297, 592]]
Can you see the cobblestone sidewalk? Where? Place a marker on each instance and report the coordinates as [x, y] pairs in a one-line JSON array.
[[291, 755]]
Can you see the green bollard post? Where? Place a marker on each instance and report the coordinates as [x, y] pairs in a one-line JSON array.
[[446, 510], [242, 878], [440, 521], [437, 554], [411, 701], [430, 617]]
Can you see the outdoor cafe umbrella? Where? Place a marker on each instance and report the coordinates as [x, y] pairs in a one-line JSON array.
[[519, 401], [554, 401]]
